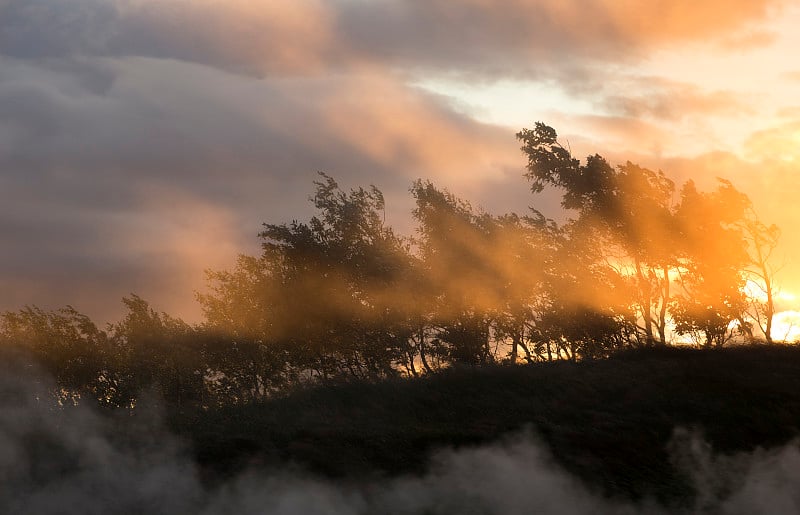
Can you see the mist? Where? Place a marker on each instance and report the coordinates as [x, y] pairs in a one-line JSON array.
[[74, 460]]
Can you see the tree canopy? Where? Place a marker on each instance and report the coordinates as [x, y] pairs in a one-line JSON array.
[[341, 296]]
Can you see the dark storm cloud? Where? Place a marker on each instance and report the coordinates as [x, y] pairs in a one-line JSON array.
[[540, 38], [251, 37], [274, 37], [135, 174], [50, 28], [479, 39], [156, 116]]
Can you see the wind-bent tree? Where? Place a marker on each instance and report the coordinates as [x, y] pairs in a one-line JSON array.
[[762, 240], [323, 290], [67, 345], [506, 281], [589, 312], [247, 353], [156, 351], [455, 249], [713, 259], [629, 206], [642, 218], [526, 253]]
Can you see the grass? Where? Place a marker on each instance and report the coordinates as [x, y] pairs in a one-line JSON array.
[[608, 422]]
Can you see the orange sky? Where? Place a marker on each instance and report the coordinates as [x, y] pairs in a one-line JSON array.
[[143, 141]]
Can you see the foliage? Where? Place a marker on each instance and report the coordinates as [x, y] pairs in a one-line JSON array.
[[342, 297], [66, 344]]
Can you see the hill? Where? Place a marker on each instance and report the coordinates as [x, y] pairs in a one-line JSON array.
[[610, 422]]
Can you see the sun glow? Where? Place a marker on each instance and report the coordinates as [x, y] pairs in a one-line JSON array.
[[786, 326], [755, 291]]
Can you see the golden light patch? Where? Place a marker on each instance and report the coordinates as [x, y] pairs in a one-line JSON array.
[[786, 326]]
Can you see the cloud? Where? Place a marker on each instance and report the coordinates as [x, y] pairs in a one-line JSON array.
[[748, 40], [793, 75], [241, 35], [114, 168], [618, 138], [660, 99], [778, 143], [275, 37], [525, 38]]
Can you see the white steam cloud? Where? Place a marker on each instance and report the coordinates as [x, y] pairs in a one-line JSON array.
[[74, 461]]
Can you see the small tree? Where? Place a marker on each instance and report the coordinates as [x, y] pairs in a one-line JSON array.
[[67, 345], [762, 240], [156, 351]]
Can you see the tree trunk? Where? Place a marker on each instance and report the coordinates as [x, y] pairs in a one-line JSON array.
[[515, 343], [769, 310], [422, 355], [662, 314], [644, 303]]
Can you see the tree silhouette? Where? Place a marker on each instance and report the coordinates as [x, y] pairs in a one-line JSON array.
[[700, 243], [526, 249], [67, 345], [762, 241], [322, 290], [156, 351], [454, 247], [713, 258], [628, 205], [584, 289], [342, 296]]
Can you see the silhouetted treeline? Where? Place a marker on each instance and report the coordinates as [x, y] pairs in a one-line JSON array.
[[636, 263]]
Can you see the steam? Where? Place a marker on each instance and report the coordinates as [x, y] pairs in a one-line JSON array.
[[73, 461]]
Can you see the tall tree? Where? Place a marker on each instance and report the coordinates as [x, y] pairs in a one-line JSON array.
[[629, 205], [762, 240], [713, 259], [525, 254], [456, 249], [322, 289]]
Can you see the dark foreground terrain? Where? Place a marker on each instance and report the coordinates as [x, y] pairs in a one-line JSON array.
[[611, 423]]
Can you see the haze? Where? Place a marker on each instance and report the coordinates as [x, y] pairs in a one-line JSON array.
[[143, 141]]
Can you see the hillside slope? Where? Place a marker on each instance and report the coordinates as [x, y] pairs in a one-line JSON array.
[[609, 422]]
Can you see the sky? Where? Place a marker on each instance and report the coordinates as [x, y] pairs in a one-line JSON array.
[[145, 141]]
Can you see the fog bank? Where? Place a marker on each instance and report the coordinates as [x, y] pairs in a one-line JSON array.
[[75, 461]]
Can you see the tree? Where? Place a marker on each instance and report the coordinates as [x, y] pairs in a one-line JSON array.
[[247, 352], [713, 259], [455, 250], [701, 243], [640, 215], [762, 240], [588, 312], [156, 351], [68, 346], [586, 187], [322, 292], [526, 253], [629, 205]]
